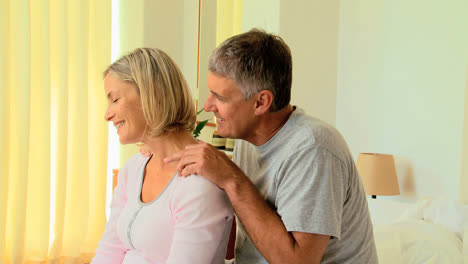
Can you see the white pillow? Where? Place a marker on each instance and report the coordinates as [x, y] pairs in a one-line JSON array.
[[417, 241], [416, 210], [384, 212], [447, 213], [387, 243]]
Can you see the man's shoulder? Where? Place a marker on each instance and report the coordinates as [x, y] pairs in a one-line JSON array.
[[305, 131], [301, 133], [310, 125]]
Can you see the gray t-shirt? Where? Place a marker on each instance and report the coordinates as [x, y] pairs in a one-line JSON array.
[[308, 175]]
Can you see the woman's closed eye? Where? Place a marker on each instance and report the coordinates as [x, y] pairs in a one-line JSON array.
[[115, 100]]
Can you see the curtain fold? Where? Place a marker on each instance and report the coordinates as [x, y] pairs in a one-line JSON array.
[[38, 160], [4, 119], [59, 130], [18, 71], [97, 99], [228, 19], [53, 140]]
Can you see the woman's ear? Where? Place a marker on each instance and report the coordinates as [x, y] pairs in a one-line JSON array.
[[263, 102]]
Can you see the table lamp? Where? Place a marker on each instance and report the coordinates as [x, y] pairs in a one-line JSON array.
[[378, 174]]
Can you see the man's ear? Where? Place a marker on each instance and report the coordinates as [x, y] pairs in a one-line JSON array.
[[263, 102]]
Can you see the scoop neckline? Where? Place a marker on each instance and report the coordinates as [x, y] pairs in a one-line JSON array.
[[142, 175]]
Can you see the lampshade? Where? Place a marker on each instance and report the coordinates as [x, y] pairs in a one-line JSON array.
[[378, 174]]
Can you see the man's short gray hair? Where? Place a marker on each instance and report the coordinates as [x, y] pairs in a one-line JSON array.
[[256, 61]]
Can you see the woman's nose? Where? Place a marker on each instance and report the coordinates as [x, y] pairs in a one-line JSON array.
[[108, 115]]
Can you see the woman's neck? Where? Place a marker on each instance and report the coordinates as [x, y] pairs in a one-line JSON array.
[[169, 144]]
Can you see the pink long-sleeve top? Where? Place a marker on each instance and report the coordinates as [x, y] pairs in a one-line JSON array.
[[189, 222]]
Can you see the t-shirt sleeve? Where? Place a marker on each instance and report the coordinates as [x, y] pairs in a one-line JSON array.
[[203, 217], [311, 192], [110, 248]]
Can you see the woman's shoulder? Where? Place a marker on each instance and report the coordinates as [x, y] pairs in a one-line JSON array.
[[196, 184], [136, 159], [132, 166], [134, 162], [198, 193], [197, 188]]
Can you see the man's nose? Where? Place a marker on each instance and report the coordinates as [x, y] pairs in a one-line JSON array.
[[209, 105]]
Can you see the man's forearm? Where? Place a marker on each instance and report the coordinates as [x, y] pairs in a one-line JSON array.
[[262, 223]]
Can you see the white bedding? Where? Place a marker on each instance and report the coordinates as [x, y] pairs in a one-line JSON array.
[[417, 241], [430, 231]]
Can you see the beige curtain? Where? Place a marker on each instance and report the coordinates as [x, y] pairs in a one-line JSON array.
[[53, 140], [228, 19]]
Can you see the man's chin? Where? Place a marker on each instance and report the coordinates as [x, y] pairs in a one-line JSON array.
[[225, 135], [222, 133]]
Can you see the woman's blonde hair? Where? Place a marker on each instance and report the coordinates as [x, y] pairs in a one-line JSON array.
[[164, 93]]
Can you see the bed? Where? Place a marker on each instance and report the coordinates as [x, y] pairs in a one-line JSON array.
[[428, 231]]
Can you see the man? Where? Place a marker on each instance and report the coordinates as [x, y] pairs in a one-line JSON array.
[[293, 183]]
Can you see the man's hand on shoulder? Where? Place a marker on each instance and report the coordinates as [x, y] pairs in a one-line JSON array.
[[207, 161]]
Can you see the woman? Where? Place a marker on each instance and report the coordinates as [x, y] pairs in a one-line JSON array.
[[157, 217]]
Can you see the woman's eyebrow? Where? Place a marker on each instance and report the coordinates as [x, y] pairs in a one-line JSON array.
[[109, 95]]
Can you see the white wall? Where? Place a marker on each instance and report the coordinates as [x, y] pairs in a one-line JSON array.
[[168, 25], [401, 88], [131, 36], [207, 45], [264, 14], [310, 28], [391, 75], [172, 26], [464, 159]]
